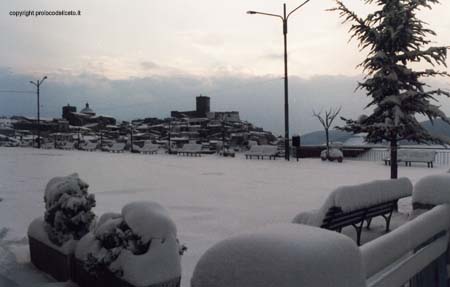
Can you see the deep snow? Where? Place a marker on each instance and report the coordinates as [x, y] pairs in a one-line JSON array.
[[209, 198]]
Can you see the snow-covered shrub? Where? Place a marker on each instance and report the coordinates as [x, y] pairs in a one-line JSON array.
[[333, 154], [143, 235], [68, 207]]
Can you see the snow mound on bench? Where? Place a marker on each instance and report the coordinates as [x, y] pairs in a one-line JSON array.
[[432, 189], [283, 255], [354, 197]]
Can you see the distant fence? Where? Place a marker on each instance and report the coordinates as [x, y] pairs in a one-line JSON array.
[[377, 154]]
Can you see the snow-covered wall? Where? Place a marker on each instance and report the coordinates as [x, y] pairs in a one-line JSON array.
[[385, 250], [283, 255]]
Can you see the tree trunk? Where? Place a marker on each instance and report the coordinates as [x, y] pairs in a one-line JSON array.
[[394, 166], [328, 142]]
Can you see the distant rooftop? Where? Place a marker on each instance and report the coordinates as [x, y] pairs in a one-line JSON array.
[[87, 110]]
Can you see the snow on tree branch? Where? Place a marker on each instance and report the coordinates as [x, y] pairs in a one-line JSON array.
[[395, 38]]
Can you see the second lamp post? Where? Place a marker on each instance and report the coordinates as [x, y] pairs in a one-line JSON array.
[[284, 18]]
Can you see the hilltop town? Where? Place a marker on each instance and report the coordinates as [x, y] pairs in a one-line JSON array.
[[202, 126]]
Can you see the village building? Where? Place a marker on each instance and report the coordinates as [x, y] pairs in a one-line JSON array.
[[86, 116]]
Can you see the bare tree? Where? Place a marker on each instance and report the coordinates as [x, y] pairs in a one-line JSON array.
[[326, 121]]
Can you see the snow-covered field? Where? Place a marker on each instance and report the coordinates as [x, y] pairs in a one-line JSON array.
[[210, 198]]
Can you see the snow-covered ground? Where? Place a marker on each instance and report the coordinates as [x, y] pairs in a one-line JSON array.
[[209, 198]]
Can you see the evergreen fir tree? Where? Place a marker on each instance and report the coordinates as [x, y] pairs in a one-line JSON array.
[[395, 38]]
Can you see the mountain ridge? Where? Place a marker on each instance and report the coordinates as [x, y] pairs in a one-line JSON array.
[[438, 128]]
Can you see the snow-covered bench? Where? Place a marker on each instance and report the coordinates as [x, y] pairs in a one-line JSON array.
[[89, 146], [48, 145], [68, 145], [356, 204], [116, 147], [149, 148], [409, 156], [262, 151], [190, 150]]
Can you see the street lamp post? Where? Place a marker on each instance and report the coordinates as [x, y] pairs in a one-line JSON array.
[[131, 138], [170, 128], [284, 18], [38, 85]]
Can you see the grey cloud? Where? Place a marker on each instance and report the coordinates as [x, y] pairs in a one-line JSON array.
[[149, 65], [273, 56]]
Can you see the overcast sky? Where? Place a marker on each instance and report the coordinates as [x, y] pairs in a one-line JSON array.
[[146, 57]]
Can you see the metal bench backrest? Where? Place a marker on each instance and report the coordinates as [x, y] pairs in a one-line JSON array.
[[416, 155], [335, 218]]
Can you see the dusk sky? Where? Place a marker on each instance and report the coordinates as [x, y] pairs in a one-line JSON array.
[[146, 57]]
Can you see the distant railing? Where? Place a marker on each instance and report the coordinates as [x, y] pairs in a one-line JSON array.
[[377, 154]]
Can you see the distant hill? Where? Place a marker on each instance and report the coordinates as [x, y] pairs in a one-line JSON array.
[[318, 137], [438, 128]]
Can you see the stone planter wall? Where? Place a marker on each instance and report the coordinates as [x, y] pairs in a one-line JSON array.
[[107, 279], [50, 260], [64, 267]]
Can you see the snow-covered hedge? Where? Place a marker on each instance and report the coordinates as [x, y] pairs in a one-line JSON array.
[[139, 245], [432, 189], [288, 255], [68, 207]]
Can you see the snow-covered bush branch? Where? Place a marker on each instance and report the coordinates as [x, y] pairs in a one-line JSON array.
[[143, 231], [68, 209]]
